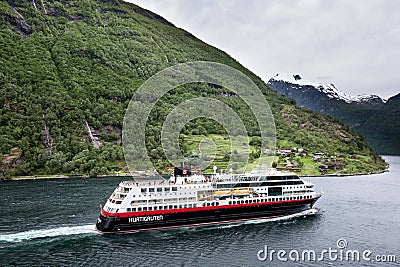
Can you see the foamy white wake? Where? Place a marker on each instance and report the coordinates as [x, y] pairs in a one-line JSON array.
[[305, 213], [61, 231], [309, 212]]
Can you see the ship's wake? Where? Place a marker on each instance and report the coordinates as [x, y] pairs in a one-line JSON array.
[[306, 213], [45, 233]]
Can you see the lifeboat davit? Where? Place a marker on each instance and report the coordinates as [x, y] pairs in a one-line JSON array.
[[241, 192], [222, 193]]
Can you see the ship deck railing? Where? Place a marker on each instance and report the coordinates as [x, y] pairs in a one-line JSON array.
[[156, 183], [166, 182], [143, 183]]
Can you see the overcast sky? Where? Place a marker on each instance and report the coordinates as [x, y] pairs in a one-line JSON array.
[[353, 44]]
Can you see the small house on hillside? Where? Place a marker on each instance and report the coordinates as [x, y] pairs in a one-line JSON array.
[[284, 151]]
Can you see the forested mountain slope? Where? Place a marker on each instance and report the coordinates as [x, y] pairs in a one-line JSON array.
[[67, 67]]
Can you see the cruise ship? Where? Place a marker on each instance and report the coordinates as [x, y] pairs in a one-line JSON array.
[[198, 200]]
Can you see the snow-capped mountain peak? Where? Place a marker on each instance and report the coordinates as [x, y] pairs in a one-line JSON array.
[[328, 89], [369, 99]]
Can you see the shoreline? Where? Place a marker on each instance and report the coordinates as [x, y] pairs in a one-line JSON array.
[[115, 175], [346, 175], [51, 177]]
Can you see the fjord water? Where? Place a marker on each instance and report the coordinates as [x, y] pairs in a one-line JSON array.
[[51, 222]]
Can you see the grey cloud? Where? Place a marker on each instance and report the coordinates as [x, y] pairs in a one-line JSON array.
[[354, 43]]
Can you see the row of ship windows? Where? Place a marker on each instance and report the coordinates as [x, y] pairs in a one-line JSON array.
[[114, 201], [268, 178], [169, 207], [293, 187], [248, 201], [145, 190], [277, 183], [170, 194], [258, 184], [208, 204], [165, 207], [163, 201], [288, 187]]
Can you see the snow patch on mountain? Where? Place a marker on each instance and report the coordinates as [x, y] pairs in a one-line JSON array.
[[328, 89]]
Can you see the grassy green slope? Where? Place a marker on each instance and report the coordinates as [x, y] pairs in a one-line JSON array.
[[65, 63]]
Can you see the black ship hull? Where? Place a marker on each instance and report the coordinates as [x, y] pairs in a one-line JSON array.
[[135, 222]]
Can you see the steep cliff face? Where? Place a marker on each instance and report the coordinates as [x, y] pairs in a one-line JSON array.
[[69, 68]]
